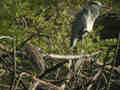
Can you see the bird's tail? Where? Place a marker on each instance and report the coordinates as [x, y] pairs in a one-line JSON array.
[[73, 42]]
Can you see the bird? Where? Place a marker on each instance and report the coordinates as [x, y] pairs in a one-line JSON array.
[[84, 21]]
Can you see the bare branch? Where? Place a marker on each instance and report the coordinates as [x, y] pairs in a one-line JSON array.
[[20, 77], [14, 68], [2, 72], [69, 57], [95, 78], [6, 37], [42, 83], [33, 36]]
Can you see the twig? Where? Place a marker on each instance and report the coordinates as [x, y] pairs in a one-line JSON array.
[[6, 37], [53, 68], [20, 77], [94, 79], [31, 37], [38, 81], [2, 72], [7, 86], [14, 68], [47, 84]]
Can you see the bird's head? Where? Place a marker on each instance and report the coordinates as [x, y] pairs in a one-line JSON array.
[[97, 5]]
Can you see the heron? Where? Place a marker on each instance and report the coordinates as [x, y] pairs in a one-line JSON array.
[[84, 21]]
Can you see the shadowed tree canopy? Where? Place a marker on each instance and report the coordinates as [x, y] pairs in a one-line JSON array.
[[111, 23]]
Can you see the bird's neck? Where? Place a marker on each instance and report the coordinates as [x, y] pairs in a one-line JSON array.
[[94, 12]]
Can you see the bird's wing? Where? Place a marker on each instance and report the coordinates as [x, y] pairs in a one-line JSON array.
[[79, 24], [78, 27]]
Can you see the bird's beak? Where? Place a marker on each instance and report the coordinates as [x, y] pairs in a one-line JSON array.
[[107, 8]]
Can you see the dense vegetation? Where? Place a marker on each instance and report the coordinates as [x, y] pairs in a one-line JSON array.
[[46, 25]]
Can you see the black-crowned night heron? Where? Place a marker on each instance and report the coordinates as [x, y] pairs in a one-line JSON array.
[[83, 24]]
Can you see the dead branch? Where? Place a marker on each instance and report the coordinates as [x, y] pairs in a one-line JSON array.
[[6, 37], [95, 78], [2, 72], [70, 57], [14, 68], [42, 83], [53, 68], [20, 77]]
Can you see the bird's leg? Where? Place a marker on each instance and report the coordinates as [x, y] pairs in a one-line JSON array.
[[81, 45], [74, 43], [84, 45]]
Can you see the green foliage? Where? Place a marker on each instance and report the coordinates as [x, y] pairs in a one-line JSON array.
[[22, 18], [52, 20]]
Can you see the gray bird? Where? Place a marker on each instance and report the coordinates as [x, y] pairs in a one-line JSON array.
[[83, 24]]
